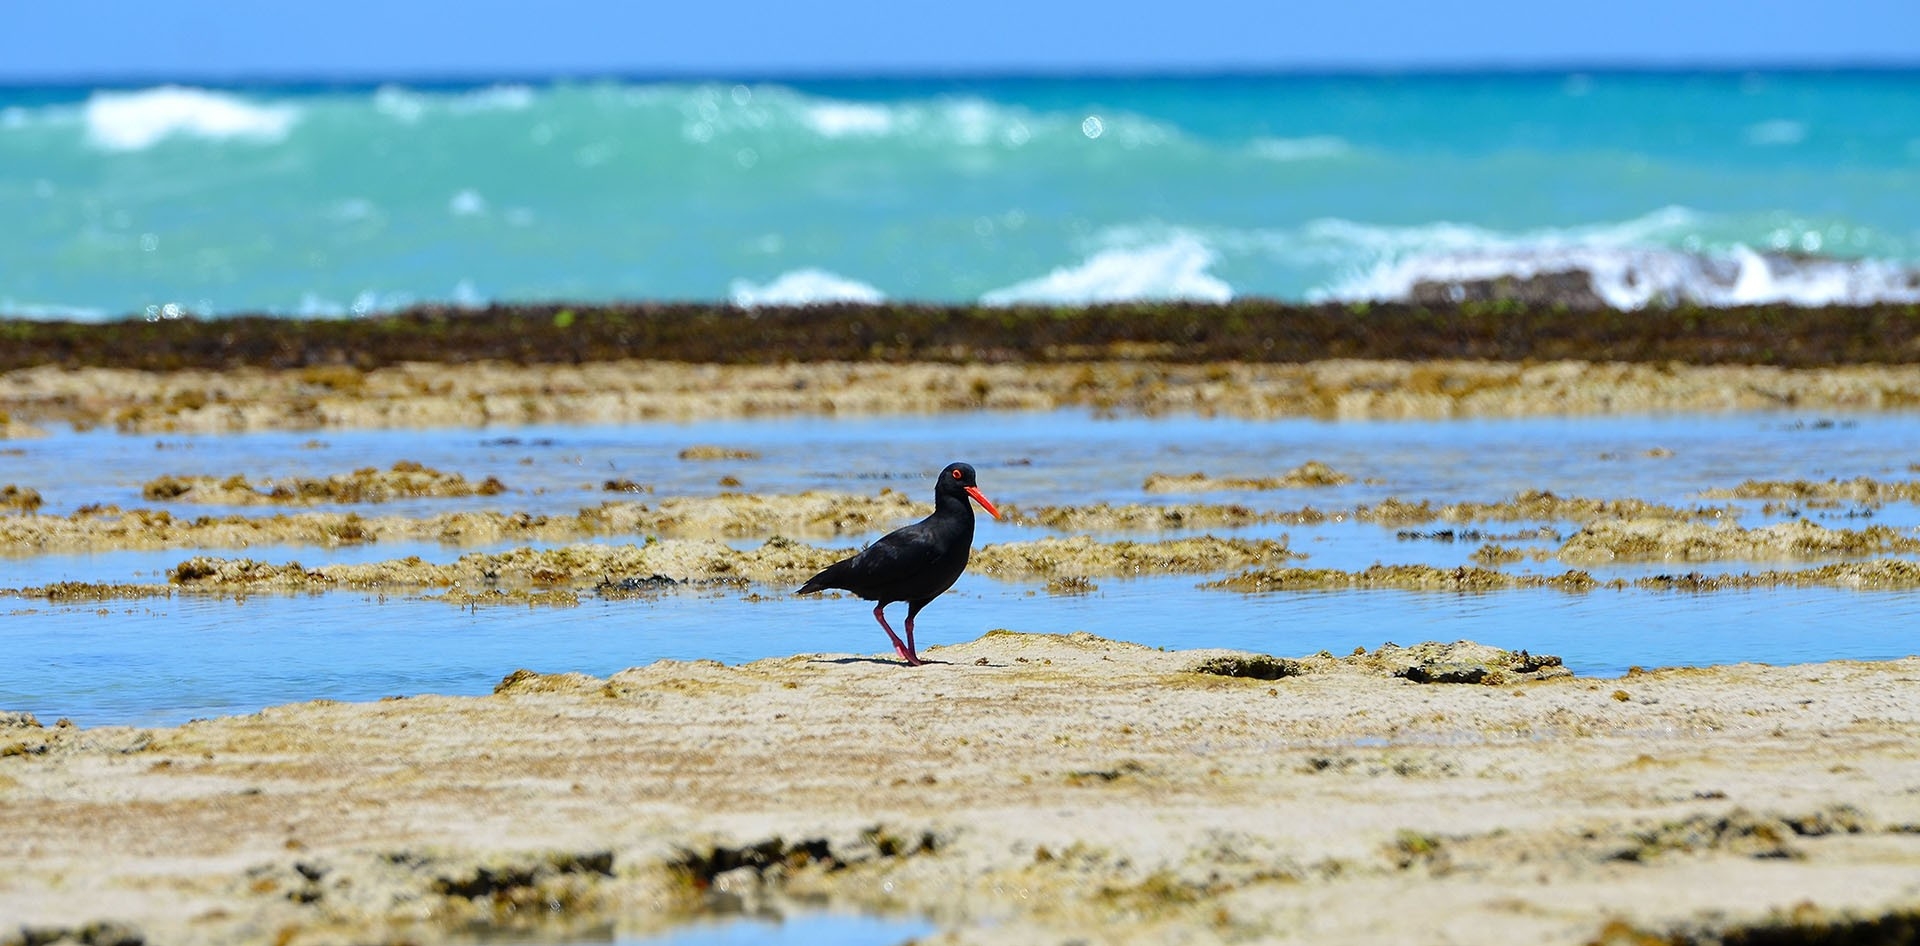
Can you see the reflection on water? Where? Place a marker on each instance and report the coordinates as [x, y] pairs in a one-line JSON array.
[[167, 660]]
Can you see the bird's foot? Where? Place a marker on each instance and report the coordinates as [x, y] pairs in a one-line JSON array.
[[912, 659]]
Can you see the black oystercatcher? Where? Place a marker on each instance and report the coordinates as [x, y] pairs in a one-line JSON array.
[[915, 563]]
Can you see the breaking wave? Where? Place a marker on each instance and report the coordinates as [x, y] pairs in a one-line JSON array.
[[135, 121], [1174, 268], [802, 287], [1634, 278], [1626, 265]]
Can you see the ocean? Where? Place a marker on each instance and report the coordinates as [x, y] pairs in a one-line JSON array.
[[340, 200]]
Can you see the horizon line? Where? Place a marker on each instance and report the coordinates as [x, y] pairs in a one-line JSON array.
[[952, 74]]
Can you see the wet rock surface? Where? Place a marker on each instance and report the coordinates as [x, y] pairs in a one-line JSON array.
[[406, 480], [490, 393], [1661, 540], [1570, 289], [1305, 476]]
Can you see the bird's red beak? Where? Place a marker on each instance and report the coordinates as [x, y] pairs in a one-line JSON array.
[[974, 491]]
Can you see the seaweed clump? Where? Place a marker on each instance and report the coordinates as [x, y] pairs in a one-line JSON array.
[[21, 498], [1145, 517], [1463, 662], [713, 452], [1249, 666], [1245, 330], [1402, 577]]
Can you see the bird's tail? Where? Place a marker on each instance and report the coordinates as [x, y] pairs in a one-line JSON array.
[[829, 577]]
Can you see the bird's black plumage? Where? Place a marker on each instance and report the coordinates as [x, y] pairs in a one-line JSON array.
[[915, 563]]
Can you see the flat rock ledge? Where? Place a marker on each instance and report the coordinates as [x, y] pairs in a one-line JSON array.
[[1021, 787]]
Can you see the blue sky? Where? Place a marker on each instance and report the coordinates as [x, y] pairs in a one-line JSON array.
[[157, 39]]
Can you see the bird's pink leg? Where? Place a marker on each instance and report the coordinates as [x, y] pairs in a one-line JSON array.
[[913, 653], [906, 653]]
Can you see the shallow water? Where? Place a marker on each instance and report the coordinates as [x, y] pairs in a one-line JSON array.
[[792, 931], [165, 660]]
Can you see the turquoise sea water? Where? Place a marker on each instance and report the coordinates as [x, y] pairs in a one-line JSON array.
[[336, 200]]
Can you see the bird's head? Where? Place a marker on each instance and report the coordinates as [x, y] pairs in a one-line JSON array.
[[960, 477]]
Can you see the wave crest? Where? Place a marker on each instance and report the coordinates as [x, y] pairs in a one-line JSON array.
[[135, 121], [803, 287], [1175, 268], [1632, 278]]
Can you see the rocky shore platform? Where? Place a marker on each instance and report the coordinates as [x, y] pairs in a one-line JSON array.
[[1034, 788]]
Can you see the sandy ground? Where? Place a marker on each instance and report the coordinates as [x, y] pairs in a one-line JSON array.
[[1020, 788]]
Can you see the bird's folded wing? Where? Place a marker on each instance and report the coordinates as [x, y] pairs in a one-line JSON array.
[[909, 547]]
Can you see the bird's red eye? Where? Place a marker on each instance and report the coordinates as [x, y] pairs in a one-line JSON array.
[[956, 474]]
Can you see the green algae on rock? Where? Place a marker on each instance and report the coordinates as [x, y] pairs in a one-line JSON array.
[[406, 480]]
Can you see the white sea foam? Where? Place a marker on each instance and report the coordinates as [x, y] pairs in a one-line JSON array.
[[398, 103], [467, 203], [409, 106], [1174, 268], [466, 296], [501, 98], [844, 119], [1628, 266], [314, 306], [803, 287], [1310, 148], [15, 309], [133, 121]]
